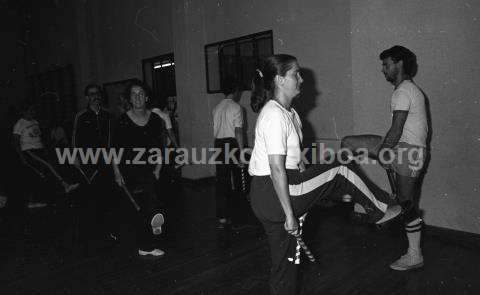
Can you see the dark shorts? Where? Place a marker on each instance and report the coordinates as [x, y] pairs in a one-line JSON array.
[[409, 160]]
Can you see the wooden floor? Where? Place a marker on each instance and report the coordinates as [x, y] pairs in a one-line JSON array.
[[200, 259]]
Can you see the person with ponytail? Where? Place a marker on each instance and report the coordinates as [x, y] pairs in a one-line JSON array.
[[282, 189]]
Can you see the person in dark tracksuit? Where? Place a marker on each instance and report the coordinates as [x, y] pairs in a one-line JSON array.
[[282, 189], [92, 130]]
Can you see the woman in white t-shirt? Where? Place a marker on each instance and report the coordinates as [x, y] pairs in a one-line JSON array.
[[281, 189]]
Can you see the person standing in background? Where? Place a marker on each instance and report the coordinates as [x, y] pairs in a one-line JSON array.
[[228, 125]]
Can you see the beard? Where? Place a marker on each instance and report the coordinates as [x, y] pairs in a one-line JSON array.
[[390, 78]]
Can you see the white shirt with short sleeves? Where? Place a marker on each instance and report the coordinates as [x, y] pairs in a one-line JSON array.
[[408, 97], [165, 117], [30, 134], [277, 132], [227, 116]]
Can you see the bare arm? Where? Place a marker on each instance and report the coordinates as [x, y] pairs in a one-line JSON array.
[[239, 137], [280, 184], [172, 137], [395, 131]]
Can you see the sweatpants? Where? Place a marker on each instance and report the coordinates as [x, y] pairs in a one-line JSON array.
[[94, 200], [308, 188]]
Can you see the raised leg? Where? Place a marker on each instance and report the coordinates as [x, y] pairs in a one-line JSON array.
[[356, 143]]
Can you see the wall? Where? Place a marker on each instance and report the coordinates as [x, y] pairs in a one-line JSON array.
[[444, 35], [125, 32], [314, 31], [337, 42], [50, 41], [12, 82]]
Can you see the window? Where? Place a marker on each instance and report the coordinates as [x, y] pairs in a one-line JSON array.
[[159, 74], [237, 57]]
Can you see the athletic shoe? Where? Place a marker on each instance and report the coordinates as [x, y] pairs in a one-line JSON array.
[[222, 223], [157, 222], [35, 205], [154, 252], [407, 262], [392, 212]]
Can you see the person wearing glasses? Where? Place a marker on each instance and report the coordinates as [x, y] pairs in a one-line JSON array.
[[92, 130]]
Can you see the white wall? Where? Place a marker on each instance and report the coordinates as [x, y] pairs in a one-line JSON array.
[[314, 31], [338, 42], [445, 37]]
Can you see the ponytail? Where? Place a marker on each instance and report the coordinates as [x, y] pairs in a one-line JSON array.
[[259, 94], [263, 82]]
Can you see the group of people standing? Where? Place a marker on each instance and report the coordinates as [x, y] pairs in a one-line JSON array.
[[283, 189], [90, 182]]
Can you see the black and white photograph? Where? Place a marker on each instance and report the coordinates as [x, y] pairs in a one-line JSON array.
[[240, 147]]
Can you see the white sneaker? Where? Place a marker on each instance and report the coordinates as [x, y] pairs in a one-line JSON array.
[[157, 222], [35, 205], [154, 252], [392, 212], [407, 262]]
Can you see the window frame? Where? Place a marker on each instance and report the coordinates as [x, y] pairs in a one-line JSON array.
[[236, 41]]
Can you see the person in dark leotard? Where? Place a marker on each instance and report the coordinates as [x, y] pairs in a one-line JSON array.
[[139, 131]]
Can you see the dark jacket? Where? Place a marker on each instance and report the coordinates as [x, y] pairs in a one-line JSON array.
[[92, 130]]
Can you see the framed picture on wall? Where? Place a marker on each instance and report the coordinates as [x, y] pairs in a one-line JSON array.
[[114, 96]]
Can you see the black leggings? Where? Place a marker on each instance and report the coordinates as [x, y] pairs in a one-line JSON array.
[[142, 187]]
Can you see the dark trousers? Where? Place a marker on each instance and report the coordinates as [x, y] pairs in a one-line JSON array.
[[307, 189], [94, 201], [141, 185], [224, 173], [43, 179]]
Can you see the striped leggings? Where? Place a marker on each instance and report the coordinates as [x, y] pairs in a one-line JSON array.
[[308, 188]]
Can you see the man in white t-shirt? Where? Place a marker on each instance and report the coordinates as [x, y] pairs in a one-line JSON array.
[[28, 143], [228, 134], [404, 148]]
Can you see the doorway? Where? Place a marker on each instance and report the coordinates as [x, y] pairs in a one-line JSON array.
[[159, 75]]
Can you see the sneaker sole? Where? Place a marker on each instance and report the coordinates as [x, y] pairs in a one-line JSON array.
[[390, 218], [143, 253], [399, 268], [157, 222]]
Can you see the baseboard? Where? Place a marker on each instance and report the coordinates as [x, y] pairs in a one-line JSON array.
[[452, 236]]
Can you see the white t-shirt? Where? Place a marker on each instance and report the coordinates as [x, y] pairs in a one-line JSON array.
[[277, 132], [30, 134], [408, 97], [164, 116], [227, 116]]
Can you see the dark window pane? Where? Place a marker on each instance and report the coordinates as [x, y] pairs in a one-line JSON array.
[[236, 57]]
